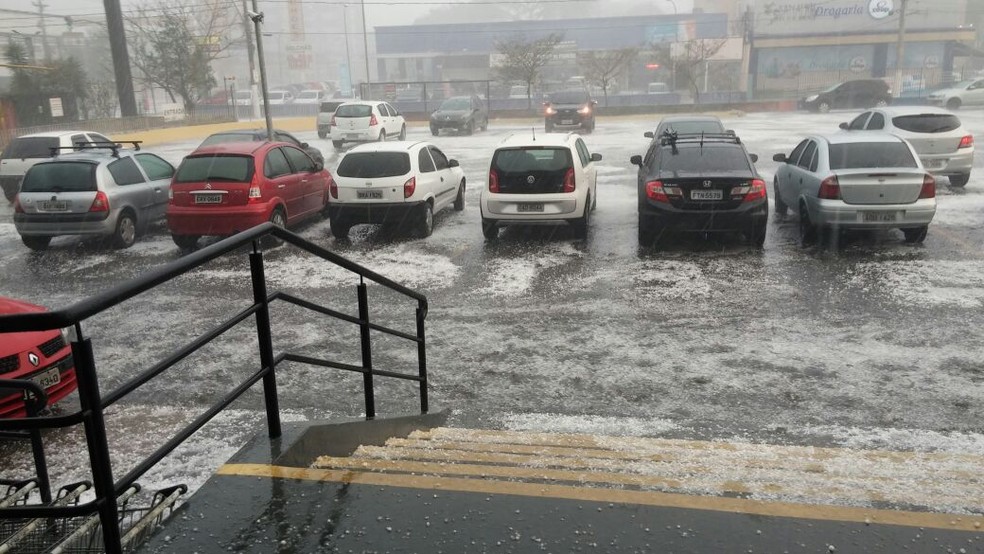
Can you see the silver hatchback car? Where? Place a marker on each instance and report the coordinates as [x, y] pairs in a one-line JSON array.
[[103, 191]]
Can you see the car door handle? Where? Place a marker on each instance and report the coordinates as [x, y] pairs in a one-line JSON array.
[[304, 180], [157, 191], [281, 186], [442, 179]]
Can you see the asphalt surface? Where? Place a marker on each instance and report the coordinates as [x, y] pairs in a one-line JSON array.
[[874, 344]]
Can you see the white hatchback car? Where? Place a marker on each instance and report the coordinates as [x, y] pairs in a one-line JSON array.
[[402, 183], [943, 145], [540, 179], [366, 121], [23, 152], [855, 181]]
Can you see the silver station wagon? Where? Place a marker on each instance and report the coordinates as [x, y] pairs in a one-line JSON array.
[[103, 191]]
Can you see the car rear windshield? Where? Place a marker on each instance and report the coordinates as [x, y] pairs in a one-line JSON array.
[[30, 147], [524, 160], [569, 97], [694, 127], [870, 154], [329, 106], [60, 177], [195, 169], [927, 123], [373, 165], [223, 138], [696, 159], [353, 110]]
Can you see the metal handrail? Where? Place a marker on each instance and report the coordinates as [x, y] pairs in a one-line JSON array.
[[93, 403]]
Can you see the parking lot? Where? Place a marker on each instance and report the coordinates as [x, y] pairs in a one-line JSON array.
[[872, 344]]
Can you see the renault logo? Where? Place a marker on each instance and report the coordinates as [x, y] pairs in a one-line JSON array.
[[707, 184], [531, 179], [33, 358]]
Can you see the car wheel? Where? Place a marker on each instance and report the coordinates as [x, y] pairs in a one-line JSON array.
[[781, 208], [594, 203], [649, 231], [756, 234], [126, 231], [403, 133], [322, 135], [36, 243], [470, 128], [953, 104], [549, 127], [823, 107], [916, 235], [340, 228], [459, 201], [425, 220], [959, 180], [489, 229], [278, 218], [581, 224], [807, 230], [337, 144], [382, 136], [185, 242], [435, 131]]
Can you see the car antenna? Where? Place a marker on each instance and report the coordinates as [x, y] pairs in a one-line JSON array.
[[534, 133]]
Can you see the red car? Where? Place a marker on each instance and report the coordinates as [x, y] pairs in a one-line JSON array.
[[41, 356], [223, 189]]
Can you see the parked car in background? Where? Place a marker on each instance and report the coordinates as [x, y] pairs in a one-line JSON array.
[[944, 146], [101, 191], [326, 111], [44, 357], [965, 93], [537, 180], [276, 97], [260, 135], [703, 183], [243, 98], [855, 181], [464, 114], [689, 124], [311, 96], [400, 183], [366, 121], [569, 109], [861, 93], [23, 152], [226, 188]]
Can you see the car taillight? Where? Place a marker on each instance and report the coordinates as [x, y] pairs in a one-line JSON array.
[[655, 192], [493, 180], [928, 188], [569, 180], [409, 187], [255, 193], [373, 121], [17, 205], [332, 187], [829, 189], [966, 142], [100, 203], [333, 123], [756, 190]]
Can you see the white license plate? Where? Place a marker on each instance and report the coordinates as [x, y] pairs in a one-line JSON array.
[[53, 206], [879, 217], [368, 194], [351, 136], [208, 199], [567, 122], [48, 378], [527, 207], [706, 194], [935, 164]]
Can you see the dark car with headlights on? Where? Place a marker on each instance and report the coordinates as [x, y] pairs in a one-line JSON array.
[[700, 183], [464, 114], [569, 109]]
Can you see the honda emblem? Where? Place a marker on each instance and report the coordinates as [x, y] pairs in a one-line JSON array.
[[33, 358], [707, 184], [531, 179]]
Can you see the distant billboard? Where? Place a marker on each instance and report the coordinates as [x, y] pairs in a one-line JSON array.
[[821, 17]]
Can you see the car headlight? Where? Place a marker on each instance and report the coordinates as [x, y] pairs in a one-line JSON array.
[[812, 97], [584, 110], [550, 111]]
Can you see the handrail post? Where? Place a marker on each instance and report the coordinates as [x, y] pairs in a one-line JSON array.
[[37, 450], [96, 441], [422, 360], [265, 339], [366, 350]]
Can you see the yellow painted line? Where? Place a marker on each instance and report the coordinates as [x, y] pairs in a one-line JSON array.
[[508, 448], [647, 498]]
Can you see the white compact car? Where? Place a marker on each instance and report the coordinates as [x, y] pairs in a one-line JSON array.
[[366, 121], [401, 183], [855, 181], [23, 152], [540, 179], [943, 145]]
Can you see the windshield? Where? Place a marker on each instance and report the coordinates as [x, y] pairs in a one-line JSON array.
[[353, 110], [60, 177], [30, 147], [198, 169], [927, 123], [710, 158], [569, 97], [370, 165], [456, 104]]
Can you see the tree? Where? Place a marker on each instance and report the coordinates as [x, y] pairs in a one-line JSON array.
[[31, 87], [175, 43], [688, 57], [604, 68], [522, 60]]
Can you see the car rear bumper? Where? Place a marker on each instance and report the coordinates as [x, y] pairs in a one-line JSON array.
[[355, 213], [53, 225], [836, 213], [210, 221], [505, 208], [567, 122], [369, 135], [949, 164], [753, 213]]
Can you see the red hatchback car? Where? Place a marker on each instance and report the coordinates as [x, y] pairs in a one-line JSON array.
[[40, 356], [223, 189]]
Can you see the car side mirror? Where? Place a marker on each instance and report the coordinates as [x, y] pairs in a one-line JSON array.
[[648, 134], [453, 163], [304, 145], [318, 166], [596, 157], [730, 132], [636, 160], [754, 157], [781, 158], [844, 126]]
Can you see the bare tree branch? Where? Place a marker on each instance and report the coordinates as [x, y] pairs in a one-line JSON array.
[[522, 60], [604, 68]]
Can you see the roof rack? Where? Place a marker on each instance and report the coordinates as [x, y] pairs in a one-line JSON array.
[[672, 138], [112, 145]]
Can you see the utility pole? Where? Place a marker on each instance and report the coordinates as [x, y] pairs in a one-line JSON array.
[[365, 44], [257, 18], [254, 100], [121, 58], [44, 29], [900, 49]]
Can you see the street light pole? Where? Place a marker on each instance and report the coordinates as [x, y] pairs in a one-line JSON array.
[[365, 44], [257, 18], [348, 52]]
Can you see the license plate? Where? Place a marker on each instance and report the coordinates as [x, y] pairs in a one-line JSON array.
[[567, 122], [934, 164], [208, 199], [369, 194], [352, 136], [879, 217], [47, 378], [706, 194], [530, 207], [53, 206]]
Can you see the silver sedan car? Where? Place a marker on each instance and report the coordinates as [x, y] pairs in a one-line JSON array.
[[944, 146], [855, 181], [105, 192]]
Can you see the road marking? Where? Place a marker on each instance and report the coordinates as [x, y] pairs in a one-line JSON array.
[[588, 494]]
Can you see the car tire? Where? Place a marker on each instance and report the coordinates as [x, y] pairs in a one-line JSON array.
[[917, 235], [382, 136], [781, 208], [279, 218], [959, 180], [489, 229], [185, 242], [649, 231], [581, 224], [953, 104], [548, 128], [322, 135], [38, 244], [808, 232], [125, 233], [823, 107], [594, 203], [459, 200], [340, 228], [435, 131], [337, 144], [403, 132], [756, 234], [424, 224]]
